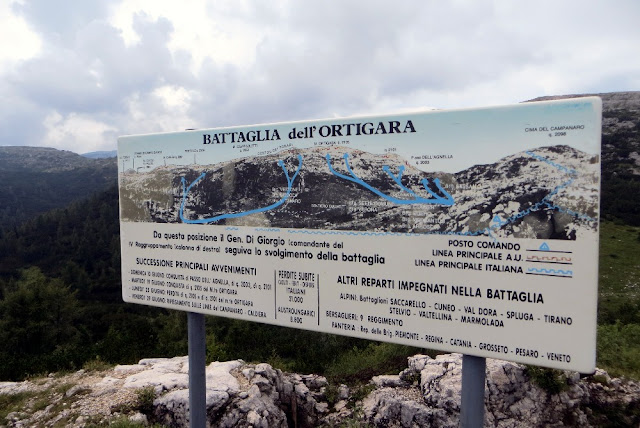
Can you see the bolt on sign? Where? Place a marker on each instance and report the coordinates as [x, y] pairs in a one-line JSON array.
[[472, 231]]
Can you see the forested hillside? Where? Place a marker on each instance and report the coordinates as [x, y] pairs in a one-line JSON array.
[[37, 179], [61, 304], [60, 291]]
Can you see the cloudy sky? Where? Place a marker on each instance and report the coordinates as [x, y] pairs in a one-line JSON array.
[[77, 74]]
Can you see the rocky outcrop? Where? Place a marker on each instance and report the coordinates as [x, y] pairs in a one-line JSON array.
[[511, 398], [426, 393], [240, 394]]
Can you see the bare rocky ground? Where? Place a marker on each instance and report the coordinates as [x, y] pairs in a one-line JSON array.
[[425, 394]]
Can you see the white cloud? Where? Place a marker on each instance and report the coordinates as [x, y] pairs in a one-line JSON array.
[[213, 30], [78, 133], [174, 97], [19, 41], [164, 110]]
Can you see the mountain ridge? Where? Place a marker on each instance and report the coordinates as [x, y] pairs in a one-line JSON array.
[[629, 100], [39, 179], [46, 159], [100, 154]]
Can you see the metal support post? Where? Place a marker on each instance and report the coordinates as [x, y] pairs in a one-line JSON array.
[[197, 366], [473, 386]]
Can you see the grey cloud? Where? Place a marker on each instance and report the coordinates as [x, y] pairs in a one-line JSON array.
[[20, 120], [59, 20], [313, 59], [95, 74], [345, 59], [98, 70]]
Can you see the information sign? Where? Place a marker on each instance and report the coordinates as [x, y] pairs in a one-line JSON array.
[[471, 231]]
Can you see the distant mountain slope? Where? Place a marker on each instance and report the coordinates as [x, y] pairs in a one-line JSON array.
[[620, 154], [100, 155], [35, 180]]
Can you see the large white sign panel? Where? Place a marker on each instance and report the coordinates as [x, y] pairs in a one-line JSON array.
[[472, 231]]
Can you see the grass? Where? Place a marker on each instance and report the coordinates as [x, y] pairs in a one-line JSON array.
[[144, 400], [40, 404], [31, 402], [52, 396], [64, 388], [619, 349], [550, 380], [143, 404], [618, 345], [14, 402], [121, 422], [359, 364], [96, 365], [619, 278]]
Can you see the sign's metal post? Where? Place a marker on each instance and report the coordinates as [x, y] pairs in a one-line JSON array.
[[473, 386], [197, 367]]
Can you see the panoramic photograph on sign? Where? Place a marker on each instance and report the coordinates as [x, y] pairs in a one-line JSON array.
[[471, 231]]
